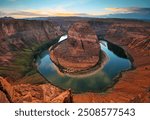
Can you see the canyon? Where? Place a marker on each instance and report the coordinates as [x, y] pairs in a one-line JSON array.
[[21, 39]]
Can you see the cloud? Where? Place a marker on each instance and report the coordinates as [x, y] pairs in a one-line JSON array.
[[132, 13], [118, 10], [24, 13], [128, 10], [60, 11], [21, 14], [141, 10], [41, 13], [71, 14], [2, 14]]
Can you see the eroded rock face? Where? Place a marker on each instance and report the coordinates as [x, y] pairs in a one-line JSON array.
[[23, 33], [64, 97], [3, 98], [26, 93], [133, 86], [22, 38], [82, 31], [80, 51], [16, 35]]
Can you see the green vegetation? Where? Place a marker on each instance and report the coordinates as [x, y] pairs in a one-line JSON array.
[[23, 67]]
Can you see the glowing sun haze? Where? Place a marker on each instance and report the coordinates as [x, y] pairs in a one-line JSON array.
[[84, 8]]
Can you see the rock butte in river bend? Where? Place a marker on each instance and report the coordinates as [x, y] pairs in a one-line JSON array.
[[80, 51]]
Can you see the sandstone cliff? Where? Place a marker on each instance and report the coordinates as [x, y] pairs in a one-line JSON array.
[[32, 93], [18, 41], [19, 34], [131, 33], [80, 51], [134, 37], [3, 98]]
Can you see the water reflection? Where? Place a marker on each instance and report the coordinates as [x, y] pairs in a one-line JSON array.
[[116, 50]]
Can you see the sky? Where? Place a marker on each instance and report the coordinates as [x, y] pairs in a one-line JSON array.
[[84, 8]]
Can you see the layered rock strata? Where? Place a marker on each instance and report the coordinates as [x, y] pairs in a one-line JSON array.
[[23, 93], [80, 51], [133, 85]]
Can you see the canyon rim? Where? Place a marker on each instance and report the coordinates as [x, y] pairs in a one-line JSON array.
[[21, 40]]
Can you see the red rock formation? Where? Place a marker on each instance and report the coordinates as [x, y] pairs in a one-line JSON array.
[[82, 31], [134, 85], [23, 93], [63, 97], [36, 30], [80, 51], [21, 34], [3, 98], [6, 86]]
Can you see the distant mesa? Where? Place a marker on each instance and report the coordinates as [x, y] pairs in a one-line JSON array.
[[81, 50], [6, 18]]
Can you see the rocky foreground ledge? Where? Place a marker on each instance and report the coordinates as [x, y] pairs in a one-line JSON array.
[[24, 93], [81, 50]]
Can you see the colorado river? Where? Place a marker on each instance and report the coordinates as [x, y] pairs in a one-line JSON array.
[[96, 82]]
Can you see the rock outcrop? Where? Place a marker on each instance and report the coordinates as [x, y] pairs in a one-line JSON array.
[[20, 39], [79, 52], [3, 98], [134, 85], [23, 93], [20, 34], [64, 97]]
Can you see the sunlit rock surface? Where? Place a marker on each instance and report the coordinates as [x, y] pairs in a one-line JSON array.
[[80, 51], [24, 93]]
